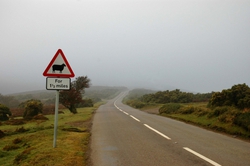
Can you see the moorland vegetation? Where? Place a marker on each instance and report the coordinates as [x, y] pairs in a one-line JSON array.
[[226, 111], [26, 125]]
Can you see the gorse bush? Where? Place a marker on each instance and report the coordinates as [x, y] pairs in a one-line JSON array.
[[4, 112], [218, 111], [175, 96], [187, 110], [243, 120], [31, 108], [170, 108], [135, 103], [238, 96], [201, 111]]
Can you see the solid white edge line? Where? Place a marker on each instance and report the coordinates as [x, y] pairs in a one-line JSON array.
[[134, 118], [202, 157], [157, 132]]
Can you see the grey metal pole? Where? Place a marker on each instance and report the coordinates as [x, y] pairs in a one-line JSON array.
[[56, 118]]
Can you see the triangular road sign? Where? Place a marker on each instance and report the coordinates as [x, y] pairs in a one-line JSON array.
[[59, 66]]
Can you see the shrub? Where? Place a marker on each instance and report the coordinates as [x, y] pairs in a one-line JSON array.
[[187, 110], [201, 111], [170, 108], [218, 111], [229, 116], [243, 120], [223, 118], [238, 96], [32, 108], [4, 112], [135, 103]]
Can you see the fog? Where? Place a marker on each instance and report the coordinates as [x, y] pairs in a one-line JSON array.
[[194, 45]]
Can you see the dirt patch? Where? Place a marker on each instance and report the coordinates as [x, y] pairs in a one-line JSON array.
[[40, 117], [15, 122], [73, 129]]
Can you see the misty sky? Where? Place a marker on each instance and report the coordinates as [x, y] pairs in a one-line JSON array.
[[196, 45]]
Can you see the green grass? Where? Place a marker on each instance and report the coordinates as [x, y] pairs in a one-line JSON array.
[[35, 146], [198, 114], [211, 123], [203, 120]]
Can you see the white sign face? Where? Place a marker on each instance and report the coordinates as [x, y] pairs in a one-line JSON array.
[[57, 83], [59, 66]]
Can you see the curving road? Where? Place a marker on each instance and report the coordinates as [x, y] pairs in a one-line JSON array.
[[123, 136]]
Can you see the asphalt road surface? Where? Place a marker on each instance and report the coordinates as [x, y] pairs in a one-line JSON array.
[[123, 136]]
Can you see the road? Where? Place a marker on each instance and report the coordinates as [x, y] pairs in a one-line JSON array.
[[123, 136]]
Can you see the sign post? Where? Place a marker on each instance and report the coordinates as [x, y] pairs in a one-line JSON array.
[[56, 118], [58, 74]]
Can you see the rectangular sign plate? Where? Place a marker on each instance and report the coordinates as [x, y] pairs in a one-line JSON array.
[[57, 83]]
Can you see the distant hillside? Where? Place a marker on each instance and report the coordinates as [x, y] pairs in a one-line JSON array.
[[136, 93], [38, 94], [27, 92], [100, 92]]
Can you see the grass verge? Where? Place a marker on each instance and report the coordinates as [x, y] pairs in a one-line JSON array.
[[33, 145], [198, 114], [212, 123]]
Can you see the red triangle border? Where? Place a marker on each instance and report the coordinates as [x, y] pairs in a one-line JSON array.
[[45, 73]]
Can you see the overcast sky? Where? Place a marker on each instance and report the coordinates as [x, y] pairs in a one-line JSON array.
[[196, 45]]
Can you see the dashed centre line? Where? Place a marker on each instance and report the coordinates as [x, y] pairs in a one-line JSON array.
[[125, 112], [163, 135], [134, 118], [201, 156]]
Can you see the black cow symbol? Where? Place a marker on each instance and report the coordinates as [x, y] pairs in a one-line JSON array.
[[58, 67]]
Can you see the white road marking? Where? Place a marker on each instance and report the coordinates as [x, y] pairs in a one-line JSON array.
[[119, 108], [202, 157], [125, 113], [134, 118], [187, 149], [157, 132]]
